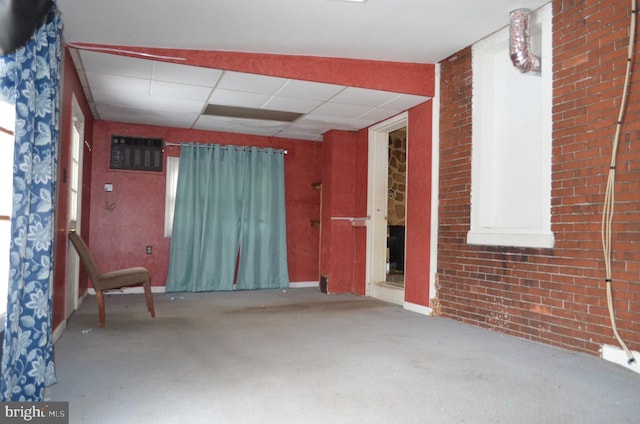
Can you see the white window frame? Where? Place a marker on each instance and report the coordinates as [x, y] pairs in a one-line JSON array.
[[511, 142], [7, 127], [172, 168]]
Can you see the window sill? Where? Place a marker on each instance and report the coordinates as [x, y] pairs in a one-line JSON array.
[[511, 239]]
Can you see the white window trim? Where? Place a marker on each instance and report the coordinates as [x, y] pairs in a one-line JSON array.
[[8, 122], [172, 168], [483, 231]]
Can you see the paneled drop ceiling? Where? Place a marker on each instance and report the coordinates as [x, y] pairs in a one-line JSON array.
[[137, 90], [145, 91]]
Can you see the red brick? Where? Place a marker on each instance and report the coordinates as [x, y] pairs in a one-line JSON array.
[[553, 295]]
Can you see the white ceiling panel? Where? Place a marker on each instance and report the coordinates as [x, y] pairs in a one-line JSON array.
[[117, 83], [252, 83], [238, 98], [300, 136], [215, 123], [342, 123], [185, 74], [379, 114], [364, 97], [116, 65], [310, 90], [180, 91], [311, 125], [404, 102], [288, 104], [341, 110]]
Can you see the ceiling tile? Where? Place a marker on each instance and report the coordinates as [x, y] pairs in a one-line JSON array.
[[180, 91], [116, 65], [289, 104], [342, 123], [109, 82], [340, 110], [364, 97], [308, 124], [238, 98], [185, 74], [175, 122], [300, 135], [261, 124], [146, 104], [214, 123], [109, 110], [309, 90], [252, 83], [404, 102], [123, 98], [379, 114], [171, 104]]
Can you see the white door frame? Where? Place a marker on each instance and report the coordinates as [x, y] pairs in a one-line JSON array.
[[377, 210], [73, 261]]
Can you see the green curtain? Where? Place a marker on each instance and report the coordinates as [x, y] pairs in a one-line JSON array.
[[220, 200], [263, 241]]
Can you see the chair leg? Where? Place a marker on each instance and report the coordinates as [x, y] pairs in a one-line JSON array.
[[149, 297], [101, 313]]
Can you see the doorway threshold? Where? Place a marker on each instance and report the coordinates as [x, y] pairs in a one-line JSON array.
[[387, 292]]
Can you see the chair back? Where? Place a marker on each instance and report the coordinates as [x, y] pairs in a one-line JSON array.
[[86, 257]]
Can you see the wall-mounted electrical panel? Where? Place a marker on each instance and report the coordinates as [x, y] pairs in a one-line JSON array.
[[136, 153]]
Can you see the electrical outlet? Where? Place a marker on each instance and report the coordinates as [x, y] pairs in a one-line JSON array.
[[149, 250]]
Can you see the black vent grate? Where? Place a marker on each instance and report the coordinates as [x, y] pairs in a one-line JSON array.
[[136, 153]]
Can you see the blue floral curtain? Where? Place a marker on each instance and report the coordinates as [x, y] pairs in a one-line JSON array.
[[229, 227], [30, 77]]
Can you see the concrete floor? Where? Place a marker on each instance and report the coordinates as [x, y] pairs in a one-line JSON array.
[[300, 356]]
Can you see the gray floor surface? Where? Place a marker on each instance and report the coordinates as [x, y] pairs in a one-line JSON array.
[[300, 356]]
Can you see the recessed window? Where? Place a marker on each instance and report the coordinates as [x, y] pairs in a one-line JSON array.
[[511, 147]]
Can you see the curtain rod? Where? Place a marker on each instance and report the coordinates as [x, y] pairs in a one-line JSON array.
[[166, 143]]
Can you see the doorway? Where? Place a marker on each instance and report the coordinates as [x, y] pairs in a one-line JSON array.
[[75, 206], [378, 268], [396, 206]]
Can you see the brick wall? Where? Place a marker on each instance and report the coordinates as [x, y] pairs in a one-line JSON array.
[[554, 295]]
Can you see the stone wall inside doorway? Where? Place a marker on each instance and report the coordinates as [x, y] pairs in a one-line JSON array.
[[397, 177]]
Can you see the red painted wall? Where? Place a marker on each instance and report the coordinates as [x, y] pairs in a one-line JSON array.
[[554, 295], [338, 201], [418, 213], [119, 236], [361, 163], [345, 188], [70, 87]]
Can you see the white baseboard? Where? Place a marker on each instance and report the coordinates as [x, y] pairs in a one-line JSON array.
[[58, 331], [618, 356], [303, 284], [419, 309]]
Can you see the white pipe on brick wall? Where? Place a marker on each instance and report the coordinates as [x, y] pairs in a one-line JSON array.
[[609, 202]]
